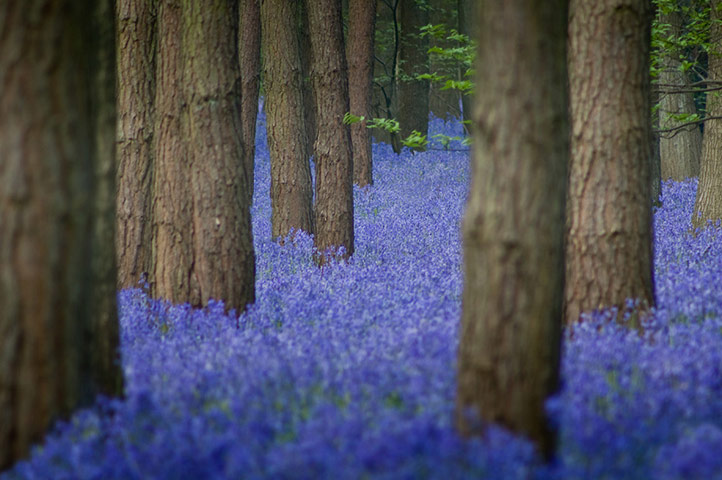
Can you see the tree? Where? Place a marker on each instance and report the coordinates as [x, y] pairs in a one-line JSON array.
[[708, 204], [680, 149], [384, 102], [413, 61], [609, 222], [360, 54], [513, 228], [291, 189], [332, 149], [202, 226], [58, 321], [136, 93], [465, 10], [443, 102], [249, 48]]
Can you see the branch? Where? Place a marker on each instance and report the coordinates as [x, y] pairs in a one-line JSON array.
[[681, 126]]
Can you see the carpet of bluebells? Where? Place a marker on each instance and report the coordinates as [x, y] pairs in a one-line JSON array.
[[349, 371]]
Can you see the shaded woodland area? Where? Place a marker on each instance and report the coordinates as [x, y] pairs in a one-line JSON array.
[[360, 239]]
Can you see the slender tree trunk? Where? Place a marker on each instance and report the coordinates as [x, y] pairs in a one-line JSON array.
[[202, 234], [249, 47], [362, 19], [309, 101], [609, 237], [332, 149], [680, 151], [384, 99], [514, 223], [708, 204], [136, 93], [466, 11], [58, 335], [413, 60], [443, 103], [291, 189]]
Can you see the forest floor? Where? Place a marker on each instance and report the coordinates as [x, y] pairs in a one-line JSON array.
[[349, 371]]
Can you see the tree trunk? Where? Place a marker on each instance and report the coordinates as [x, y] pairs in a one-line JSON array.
[[291, 189], [332, 149], [466, 11], [384, 101], [413, 60], [362, 20], [680, 150], [708, 204], [609, 222], [58, 335], [203, 240], [309, 102], [443, 103], [172, 276], [136, 92], [249, 48], [514, 223]]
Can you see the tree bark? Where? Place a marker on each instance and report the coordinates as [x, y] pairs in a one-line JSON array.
[[360, 54], [136, 92], [249, 47], [172, 276], [202, 234], [465, 11], [58, 334], [291, 189], [332, 149], [413, 60], [679, 151], [708, 204], [513, 227], [309, 102], [609, 236], [443, 103]]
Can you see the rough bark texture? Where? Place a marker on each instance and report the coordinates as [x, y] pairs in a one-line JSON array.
[[708, 204], [360, 54], [56, 142], [514, 222], [291, 188], [309, 101], [172, 276], [136, 92], [443, 103], [332, 149], [413, 60], [249, 49], [609, 237], [202, 233], [680, 150]]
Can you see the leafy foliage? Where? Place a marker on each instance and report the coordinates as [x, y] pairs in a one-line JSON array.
[[349, 371]]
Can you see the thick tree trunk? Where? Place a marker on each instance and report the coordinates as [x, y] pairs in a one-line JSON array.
[[708, 204], [58, 335], [291, 189], [609, 237], [136, 93], [249, 48], [172, 276], [332, 149], [680, 150], [413, 60], [360, 54], [514, 223], [202, 233]]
